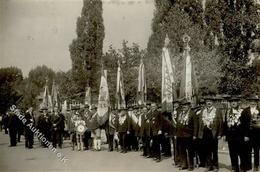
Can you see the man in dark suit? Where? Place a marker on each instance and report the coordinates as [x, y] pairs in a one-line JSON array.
[[13, 128], [145, 132], [250, 121], [123, 128], [234, 135], [56, 121], [156, 131], [185, 133], [210, 129], [28, 133], [111, 128]]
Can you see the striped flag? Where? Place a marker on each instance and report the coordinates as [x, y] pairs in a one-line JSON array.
[[141, 91], [120, 94], [167, 79], [103, 100]]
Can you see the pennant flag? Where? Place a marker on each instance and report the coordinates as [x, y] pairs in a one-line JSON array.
[[44, 104], [64, 107], [188, 80], [50, 105], [141, 91], [120, 94], [88, 96], [55, 96], [103, 100], [167, 79]]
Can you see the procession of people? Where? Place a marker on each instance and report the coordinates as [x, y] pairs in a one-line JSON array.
[[189, 134]]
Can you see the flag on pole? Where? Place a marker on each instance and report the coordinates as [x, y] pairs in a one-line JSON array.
[[120, 94], [64, 107], [103, 100], [88, 96], [55, 96], [188, 80], [142, 91], [167, 79], [44, 104]]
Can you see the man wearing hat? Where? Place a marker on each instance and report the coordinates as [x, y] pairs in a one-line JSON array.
[[13, 128], [198, 146], [210, 129], [56, 121], [87, 134], [185, 133], [144, 122], [94, 127], [111, 128], [176, 111], [251, 130], [28, 134], [45, 125], [156, 131], [123, 128], [233, 132]]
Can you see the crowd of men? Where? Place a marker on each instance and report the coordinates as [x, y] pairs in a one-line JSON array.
[[191, 132]]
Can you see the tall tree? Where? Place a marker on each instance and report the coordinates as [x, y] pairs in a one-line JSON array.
[[10, 79], [86, 49], [234, 22]]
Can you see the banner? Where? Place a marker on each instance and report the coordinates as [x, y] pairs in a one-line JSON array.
[[188, 80], [64, 107], [167, 79], [103, 100], [55, 96], [44, 104], [120, 94], [142, 90], [88, 96]]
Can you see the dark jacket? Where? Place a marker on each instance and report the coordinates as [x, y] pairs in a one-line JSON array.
[[56, 121], [185, 128], [232, 127], [216, 126], [124, 125], [156, 122], [249, 123]]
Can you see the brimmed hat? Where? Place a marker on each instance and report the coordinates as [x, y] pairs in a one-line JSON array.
[[93, 107], [208, 97], [234, 98], [176, 101], [253, 97], [202, 101], [185, 102]]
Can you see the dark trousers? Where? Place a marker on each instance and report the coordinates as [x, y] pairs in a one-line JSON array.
[[237, 150], [19, 133], [255, 142], [146, 145], [210, 146], [122, 141], [175, 152], [13, 134], [186, 151], [28, 138], [56, 138], [156, 149], [87, 139], [166, 146], [198, 152], [111, 142]]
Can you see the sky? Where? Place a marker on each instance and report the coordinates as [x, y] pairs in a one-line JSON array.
[[39, 32]]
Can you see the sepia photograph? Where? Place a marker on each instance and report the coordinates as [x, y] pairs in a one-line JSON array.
[[129, 85]]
